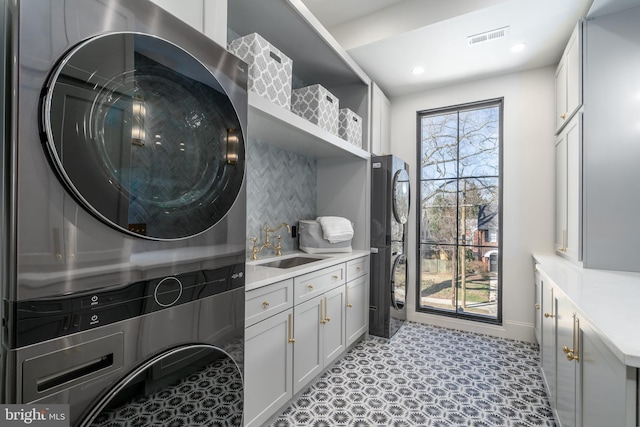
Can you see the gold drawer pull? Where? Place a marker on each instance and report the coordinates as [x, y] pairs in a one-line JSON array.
[[548, 315], [265, 304], [349, 305], [310, 287], [537, 306], [358, 269], [334, 277]]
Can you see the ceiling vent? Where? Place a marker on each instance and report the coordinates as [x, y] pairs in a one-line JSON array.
[[488, 36]]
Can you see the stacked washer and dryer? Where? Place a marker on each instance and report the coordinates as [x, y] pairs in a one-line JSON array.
[[389, 215], [124, 206]]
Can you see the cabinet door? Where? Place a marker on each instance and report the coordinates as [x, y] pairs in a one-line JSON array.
[[357, 308], [538, 307], [573, 72], [380, 118], [333, 330], [268, 367], [573, 138], [549, 340], [608, 386], [568, 234], [190, 12], [561, 193], [308, 357], [561, 93], [566, 366]]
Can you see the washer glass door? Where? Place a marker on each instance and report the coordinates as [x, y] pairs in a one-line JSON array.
[[144, 136], [400, 196], [188, 386]]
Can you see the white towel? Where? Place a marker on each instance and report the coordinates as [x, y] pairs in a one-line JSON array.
[[335, 228]]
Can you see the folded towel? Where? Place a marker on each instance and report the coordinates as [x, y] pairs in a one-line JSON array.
[[335, 228]]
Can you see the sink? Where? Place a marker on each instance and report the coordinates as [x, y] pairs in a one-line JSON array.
[[290, 262]]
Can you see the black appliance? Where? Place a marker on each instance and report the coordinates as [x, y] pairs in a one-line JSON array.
[[389, 214]]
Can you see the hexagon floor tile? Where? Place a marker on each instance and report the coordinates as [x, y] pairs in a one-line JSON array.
[[428, 376]]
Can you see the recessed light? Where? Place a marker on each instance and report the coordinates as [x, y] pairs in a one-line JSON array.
[[417, 70], [518, 47]]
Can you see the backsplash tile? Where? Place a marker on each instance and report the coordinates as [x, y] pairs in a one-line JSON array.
[[281, 187]]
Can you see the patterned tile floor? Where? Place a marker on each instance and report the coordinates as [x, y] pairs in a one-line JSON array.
[[427, 376]]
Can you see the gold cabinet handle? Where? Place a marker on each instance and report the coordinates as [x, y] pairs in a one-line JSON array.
[[567, 350], [310, 287], [290, 325], [326, 311], [571, 357], [322, 319], [335, 277], [358, 268], [265, 304], [564, 242], [548, 315], [563, 116], [537, 306], [349, 305]]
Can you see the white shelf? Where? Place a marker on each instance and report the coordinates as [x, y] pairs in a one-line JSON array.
[[280, 127]]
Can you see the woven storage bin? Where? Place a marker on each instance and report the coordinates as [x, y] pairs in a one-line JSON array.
[[350, 127], [270, 70], [318, 105]]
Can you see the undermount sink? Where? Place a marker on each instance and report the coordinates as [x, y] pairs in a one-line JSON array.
[[290, 262]]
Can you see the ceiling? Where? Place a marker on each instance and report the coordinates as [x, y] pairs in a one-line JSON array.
[[389, 38]]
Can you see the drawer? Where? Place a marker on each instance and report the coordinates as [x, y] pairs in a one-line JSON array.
[[357, 268], [318, 282], [268, 300]]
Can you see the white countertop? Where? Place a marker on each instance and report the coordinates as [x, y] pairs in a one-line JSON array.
[[258, 275], [608, 300]]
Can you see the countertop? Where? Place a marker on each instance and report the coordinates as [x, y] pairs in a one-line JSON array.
[[608, 300], [258, 275]]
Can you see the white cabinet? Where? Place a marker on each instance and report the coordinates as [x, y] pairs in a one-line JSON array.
[[548, 349], [380, 122], [207, 16], [568, 224], [587, 384], [320, 335], [295, 328], [268, 367], [608, 386], [357, 299], [538, 308], [569, 79]]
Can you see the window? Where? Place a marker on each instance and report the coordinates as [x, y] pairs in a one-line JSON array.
[[460, 211]]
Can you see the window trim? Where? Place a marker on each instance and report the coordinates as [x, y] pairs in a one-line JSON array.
[[498, 320]]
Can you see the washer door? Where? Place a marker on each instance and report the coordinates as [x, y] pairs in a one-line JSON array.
[[401, 196], [144, 136], [187, 386], [399, 282]]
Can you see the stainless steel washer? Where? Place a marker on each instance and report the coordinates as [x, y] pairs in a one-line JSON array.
[[125, 203]]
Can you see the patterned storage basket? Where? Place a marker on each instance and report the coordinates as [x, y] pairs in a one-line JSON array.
[[350, 127], [318, 105], [270, 71]]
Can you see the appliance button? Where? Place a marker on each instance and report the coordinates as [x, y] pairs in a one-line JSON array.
[[168, 291]]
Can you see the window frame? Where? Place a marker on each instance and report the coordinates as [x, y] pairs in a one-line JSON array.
[[497, 320]]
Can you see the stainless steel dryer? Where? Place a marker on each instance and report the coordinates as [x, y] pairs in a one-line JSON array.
[[124, 204], [389, 214]]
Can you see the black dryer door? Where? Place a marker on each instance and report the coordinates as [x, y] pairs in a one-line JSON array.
[[143, 135]]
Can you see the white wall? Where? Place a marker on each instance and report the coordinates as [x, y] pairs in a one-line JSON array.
[[528, 186]]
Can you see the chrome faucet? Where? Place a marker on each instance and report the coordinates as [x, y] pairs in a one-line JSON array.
[[255, 250]]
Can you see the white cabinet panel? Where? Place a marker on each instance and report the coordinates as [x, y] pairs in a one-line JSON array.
[[548, 356], [189, 11], [268, 367], [569, 79], [333, 330], [357, 308], [308, 356]]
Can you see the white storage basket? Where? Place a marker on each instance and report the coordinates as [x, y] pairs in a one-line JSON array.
[[318, 105]]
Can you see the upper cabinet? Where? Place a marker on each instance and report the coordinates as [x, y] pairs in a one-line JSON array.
[[569, 79], [208, 17], [380, 122], [317, 59]]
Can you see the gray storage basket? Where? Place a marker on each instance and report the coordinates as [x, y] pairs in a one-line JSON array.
[[313, 242]]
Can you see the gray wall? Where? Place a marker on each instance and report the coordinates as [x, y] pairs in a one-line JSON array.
[[611, 142], [281, 187]]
